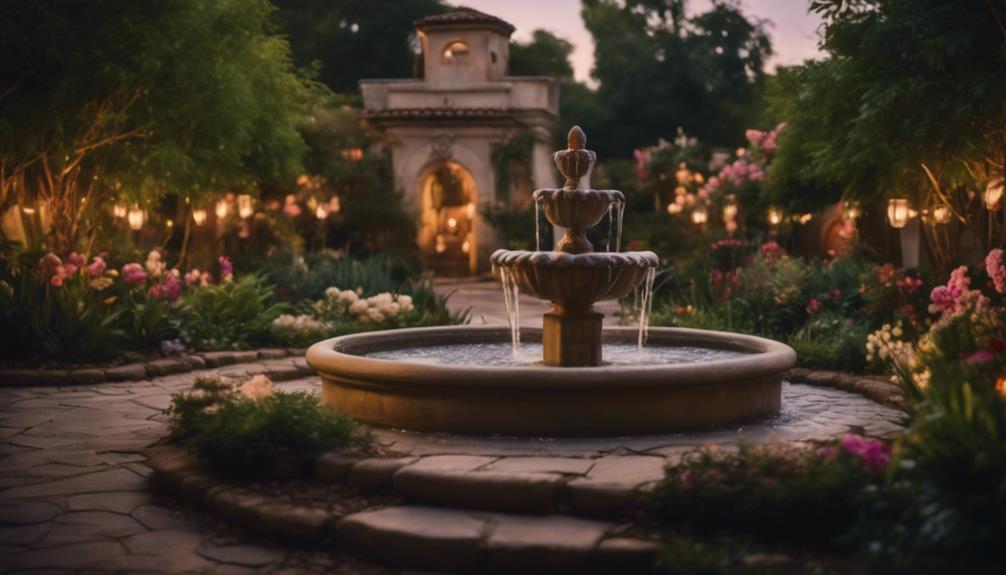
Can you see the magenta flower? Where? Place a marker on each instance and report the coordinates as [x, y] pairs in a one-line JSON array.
[[979, 357], [133, 273], [874, 453], [169, 288], [956, 296], [226, 269], [97, 267]]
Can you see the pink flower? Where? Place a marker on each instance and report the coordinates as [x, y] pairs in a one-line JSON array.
[[909, 284], [226, 269], [169, 288], [50, 264], [813, 307], [293, 210], [827, 452], [133, 273], [996, 269], [197, 278], [754, 136], [979, 357], [76, 260], [642, 158], [97, 267], [875, 454], [956, 296]]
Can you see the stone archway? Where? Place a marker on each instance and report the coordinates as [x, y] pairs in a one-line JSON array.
[[447, 238]]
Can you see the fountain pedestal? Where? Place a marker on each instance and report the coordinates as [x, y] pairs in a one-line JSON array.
[[571, 336]]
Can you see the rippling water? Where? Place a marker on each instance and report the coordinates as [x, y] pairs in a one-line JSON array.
[[500, 354]]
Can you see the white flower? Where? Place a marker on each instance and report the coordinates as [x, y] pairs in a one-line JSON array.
[[257, 388], [332, 292], [155, 267], [375, 315], [380, 298], [348, 296], [405, 301], [359, 307]]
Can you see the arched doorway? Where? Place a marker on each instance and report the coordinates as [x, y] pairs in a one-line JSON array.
[[447, 237]]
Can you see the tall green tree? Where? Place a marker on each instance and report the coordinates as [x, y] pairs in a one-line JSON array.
[[549, 55], [909, 102], [136, 100], [659, 68], [351, 39]]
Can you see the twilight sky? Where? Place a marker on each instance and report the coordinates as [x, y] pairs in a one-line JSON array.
[[793, 30]]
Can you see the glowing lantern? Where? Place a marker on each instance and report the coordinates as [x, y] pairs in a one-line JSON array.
[[470, 210], [199, 217], [28, 211], [118, 211], [334, 205], [674, 208], [805, 218], [851, 211], [321, 212], [941, 214], [136, 217], [699, 217], [169, 224], [898, 212], [441, 245], [993, 193], [452, 225], [775, 216], [245, 209], [466, 247], [221, 209], [729, 212]]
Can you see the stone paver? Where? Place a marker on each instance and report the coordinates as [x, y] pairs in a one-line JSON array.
[[74, 493]]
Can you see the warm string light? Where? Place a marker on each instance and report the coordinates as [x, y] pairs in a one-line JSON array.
[[775, 216], [699, 217], [221, 209], [136, 217], [199, 217], [245, 209], [118, 210], [941, 214], [321, 212]]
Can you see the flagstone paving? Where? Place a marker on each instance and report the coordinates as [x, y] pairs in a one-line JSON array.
[[74, 493]]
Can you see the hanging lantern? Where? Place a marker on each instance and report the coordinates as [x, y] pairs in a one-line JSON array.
[[993, 193], [136, 217], [898, 212], [199, 217], [169, 224], [334, 205], [674, 208], [775, 216], [941, 214], [118, 210], [441, 245], [321, 212], [245, 209], [452, 225], [466, 247], [221, 209], [28, 211], [699, 217]]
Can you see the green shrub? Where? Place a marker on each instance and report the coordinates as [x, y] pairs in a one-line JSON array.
[[306, 278], [148, 321], [777, 492], [265, 435], [830, 341], [230, 315]]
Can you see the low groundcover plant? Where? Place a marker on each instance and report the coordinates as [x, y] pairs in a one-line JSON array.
[[248, 430]]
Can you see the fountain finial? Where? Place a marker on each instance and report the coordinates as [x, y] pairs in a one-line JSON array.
[[575, 161]]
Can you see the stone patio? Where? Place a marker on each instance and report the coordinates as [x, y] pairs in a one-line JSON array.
[[74, 488]]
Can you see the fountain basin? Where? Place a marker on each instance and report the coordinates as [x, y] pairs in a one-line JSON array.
[[537, 400]]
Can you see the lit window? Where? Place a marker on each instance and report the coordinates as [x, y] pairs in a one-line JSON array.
[[454, 51]]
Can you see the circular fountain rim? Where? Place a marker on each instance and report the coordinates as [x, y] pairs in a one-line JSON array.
[[341, 355], [557, 259]]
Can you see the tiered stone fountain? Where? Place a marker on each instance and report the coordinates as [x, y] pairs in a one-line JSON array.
[[574, 277], [485, 380]]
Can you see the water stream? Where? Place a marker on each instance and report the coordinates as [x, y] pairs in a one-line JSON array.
[[511, 299], [645, 305], [537, 225]]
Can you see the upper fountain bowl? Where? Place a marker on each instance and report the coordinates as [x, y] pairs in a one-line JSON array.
[[577, 209], [575, 280]]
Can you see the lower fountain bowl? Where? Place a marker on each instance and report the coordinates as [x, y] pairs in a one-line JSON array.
[[550, 401]]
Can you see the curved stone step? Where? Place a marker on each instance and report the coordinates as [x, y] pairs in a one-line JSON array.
[[609, 487], [478, 542]]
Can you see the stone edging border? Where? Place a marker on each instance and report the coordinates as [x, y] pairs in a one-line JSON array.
[[874, 388], [142, 370]]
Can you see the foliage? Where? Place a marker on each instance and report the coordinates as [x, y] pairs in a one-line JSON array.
[[298, 278], [774, 492], [830, 341], [377, 41], [373, 215], [110, 100], [229, 315], [660, 68], [249, 432], [907, 100]]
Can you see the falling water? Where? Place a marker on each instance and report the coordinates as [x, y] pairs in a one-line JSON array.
[[616, 210], [618, 226], [512, 302], [611, 228], [537, 226], [645, 305]]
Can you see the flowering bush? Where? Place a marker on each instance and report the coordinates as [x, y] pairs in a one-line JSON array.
[[249, 430], [774, 491]]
